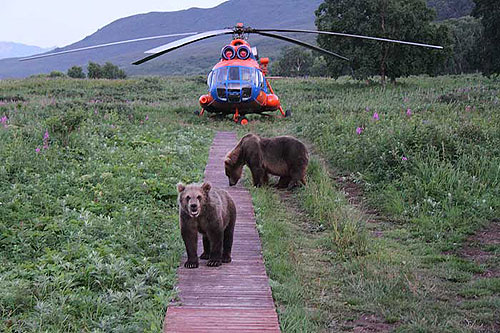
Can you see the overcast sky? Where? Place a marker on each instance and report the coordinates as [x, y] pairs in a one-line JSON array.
[[47, 23]]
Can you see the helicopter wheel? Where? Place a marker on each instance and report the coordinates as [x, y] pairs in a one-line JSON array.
[[288, 113], [243, 121]]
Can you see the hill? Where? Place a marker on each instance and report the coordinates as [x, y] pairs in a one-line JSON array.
[[193, 59], [11, 50]]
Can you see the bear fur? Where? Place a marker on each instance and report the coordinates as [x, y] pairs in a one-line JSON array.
[[282, 156], [211, 212]]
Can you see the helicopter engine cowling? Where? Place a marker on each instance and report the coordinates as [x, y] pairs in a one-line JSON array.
[[228, 52]]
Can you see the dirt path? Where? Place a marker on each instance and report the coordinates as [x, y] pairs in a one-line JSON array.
[[234, 297]]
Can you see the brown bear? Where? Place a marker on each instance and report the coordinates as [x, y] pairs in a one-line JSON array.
[[211, 212], [283, 156]]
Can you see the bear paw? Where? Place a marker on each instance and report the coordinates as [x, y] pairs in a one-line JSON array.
[[191, 264], [204, 256], [226, 259], [214, 263]]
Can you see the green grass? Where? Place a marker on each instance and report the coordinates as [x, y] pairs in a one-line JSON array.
[[89, 236], [89, 233]]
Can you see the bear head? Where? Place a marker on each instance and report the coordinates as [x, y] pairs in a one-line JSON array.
[[192, 198], [233, 169]]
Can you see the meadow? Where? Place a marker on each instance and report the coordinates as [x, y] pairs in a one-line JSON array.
[[401, 180]]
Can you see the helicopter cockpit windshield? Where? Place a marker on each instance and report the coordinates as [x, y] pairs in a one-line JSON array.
[[235, 83]]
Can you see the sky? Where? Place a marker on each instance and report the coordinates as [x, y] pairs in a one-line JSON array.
[[49, 23]]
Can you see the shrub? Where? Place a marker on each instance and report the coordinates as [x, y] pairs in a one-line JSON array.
[[76, 72]]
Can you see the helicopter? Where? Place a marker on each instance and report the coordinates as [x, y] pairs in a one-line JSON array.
[[238, 84]]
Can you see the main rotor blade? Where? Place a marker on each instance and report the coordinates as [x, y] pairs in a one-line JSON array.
[[351, 35], [299, 42], [158, 51], [105, 45]]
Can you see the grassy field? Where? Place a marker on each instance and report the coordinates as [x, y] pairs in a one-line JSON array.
[[383, 237]]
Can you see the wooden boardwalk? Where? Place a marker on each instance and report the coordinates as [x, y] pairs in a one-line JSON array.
[[234, 297]]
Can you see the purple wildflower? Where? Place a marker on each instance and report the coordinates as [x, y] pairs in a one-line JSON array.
[[37, 149], [408, 112], [467, 108], [404, 158], [3, 120], [359, 130], [147, 118], [46, 140], [375, 116], [367, 109]]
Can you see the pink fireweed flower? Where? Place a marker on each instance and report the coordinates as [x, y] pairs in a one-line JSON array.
[[467, 108], [147, 118], [359, 130], [408, 112], [367, 109], [375, 116], [3, 120], [37, 149], [404, 158], [46, 140]]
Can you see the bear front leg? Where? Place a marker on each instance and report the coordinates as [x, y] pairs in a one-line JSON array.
[[228, 242], [215, 238], [191, 242], [257, 175], [206, 248], [283, 182]]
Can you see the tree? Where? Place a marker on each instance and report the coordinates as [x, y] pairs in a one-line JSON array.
[[107, 71], [488, 11], [94, 70], [76, 72], [466, 33], [395, 19], [293, 61], [110, 71]]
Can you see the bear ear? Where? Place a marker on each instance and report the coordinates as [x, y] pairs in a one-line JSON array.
[[206, 187], [180, 187]]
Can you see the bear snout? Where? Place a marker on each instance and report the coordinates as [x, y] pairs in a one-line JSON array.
[[194, 210]]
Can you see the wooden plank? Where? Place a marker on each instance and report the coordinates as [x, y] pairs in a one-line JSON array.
[[235, 297]]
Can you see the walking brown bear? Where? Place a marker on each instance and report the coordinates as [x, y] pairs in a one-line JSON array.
[[282, 156], [211, 212]]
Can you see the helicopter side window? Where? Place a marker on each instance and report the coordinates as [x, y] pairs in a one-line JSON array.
[[209, 79], [262, 81], [234, 74]]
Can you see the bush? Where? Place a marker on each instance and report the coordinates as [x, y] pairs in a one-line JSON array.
[[94, 70], [56, 74], [108, 71], [76, 72]]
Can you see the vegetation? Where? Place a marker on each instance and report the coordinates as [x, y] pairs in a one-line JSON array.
[[298, 61], [76, 72], [107, 71], [89, 238], [395, 19], [424, 153], [466, 33], [489, 11]]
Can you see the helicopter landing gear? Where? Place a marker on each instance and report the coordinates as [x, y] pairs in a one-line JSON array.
[[243, 121], [199, 113], [240, 119]]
